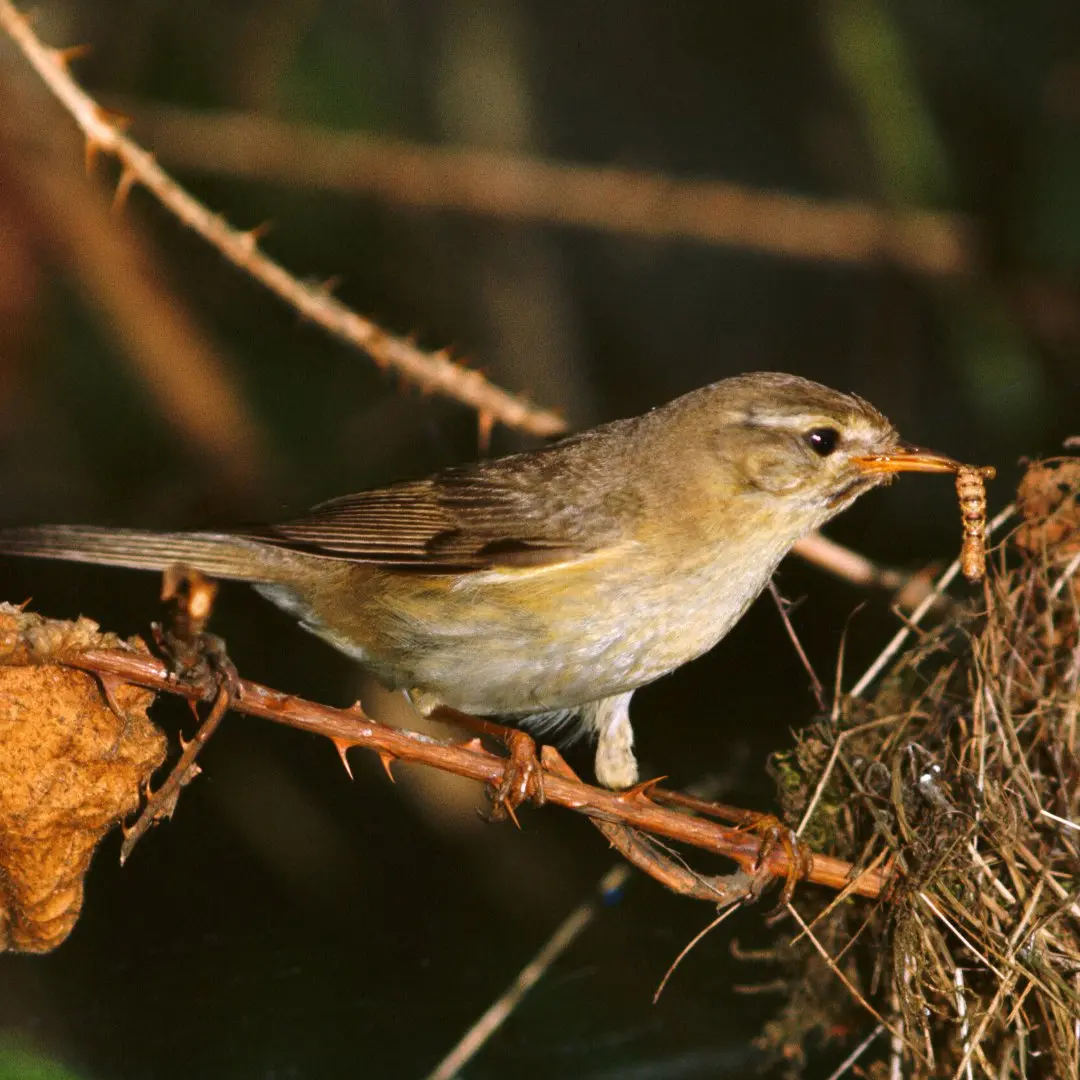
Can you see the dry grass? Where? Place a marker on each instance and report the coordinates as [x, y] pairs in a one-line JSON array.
[[963, 773]]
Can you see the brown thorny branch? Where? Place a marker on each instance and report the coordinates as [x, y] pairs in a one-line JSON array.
[[432, 372], [616, 814]]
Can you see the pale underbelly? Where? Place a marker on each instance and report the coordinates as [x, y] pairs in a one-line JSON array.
[[494, 647]]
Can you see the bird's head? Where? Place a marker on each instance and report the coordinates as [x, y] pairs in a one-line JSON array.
[[808, 451]]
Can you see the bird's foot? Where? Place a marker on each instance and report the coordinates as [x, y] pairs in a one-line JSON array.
[[522, 780], [196, 657], [775, 834]]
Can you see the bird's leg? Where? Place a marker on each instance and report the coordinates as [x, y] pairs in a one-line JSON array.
[[616, 766], [523, 775], [774, 833]]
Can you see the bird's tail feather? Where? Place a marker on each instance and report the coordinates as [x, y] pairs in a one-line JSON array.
[[218, 555]]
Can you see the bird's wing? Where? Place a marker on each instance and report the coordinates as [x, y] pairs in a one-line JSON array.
[[469, 518]]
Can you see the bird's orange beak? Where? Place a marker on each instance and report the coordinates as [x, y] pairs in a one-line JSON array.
[[907, 459]]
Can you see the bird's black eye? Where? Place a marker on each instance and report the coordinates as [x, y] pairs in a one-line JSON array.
[[823, 440]]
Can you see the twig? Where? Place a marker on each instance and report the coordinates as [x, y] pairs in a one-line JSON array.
[[433, 372], [480, 1032], [640, 851], [815, 682], [169, 352], [845, 563], [962, 1012], [855, 1054], [902, 634], [838, 899], [692, 943], [852, 989], [989, 1016], [162, 802], [959, 934], [1066, 576], [896, 1037], [494, 1016], [1060, 820], [626, 201], [351, 727], [808, 813]]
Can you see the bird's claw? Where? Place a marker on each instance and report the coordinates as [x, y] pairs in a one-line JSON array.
[[522, 779], [774, 834]]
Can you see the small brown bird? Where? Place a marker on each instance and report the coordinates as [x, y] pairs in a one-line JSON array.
[[546, 587]]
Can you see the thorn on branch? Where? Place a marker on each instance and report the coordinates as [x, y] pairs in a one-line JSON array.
[[249, 240], [485, 422], [110, 684], [64, 57], [117, 122], [91, 150], [128, 179], [342, 746], [376, 347], [446, 357], [641, 793]]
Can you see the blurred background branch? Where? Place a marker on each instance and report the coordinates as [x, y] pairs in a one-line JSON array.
[[608, 199], [119, 272], [432, 372]]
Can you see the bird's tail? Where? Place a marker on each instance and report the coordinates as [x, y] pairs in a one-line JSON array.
[[215, 554]]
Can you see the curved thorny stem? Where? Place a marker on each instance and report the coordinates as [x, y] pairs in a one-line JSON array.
[[635, 810]]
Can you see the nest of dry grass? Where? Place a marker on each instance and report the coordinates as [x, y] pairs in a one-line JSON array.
[[963, 772]]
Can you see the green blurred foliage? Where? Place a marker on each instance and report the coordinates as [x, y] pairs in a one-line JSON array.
[[19, 1063]]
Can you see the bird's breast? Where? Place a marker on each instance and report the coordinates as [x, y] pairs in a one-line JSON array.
[[537, 639]]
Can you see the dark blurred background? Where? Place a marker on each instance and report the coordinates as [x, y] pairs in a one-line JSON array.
[[289, 923]]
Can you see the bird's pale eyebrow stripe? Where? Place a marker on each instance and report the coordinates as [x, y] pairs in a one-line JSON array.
[[792, 421]]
